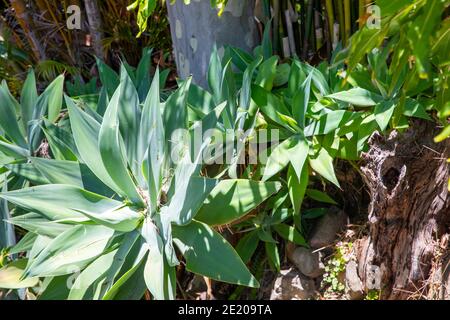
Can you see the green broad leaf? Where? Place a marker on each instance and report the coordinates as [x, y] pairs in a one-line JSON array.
[[122, 219], [415, 109], [290, 234], [330, 122], [71, 173], [207, 253], [240, 58], [200, 100], [271, 106], [421, 31], [215, 72], [294, 149], [245, 94], [8, 119], [301, 101], [383, 113], [320, 196], [282, 75], [266, 73], [37, 224], [273, 255], [55, 288], [247, 246], [60, 202], [185, 204], [111, 150], [266, 44], [230, 200], [297, 187], [297, 77], [323, 165], [28, 98], [85, 133], [11, 276], [71, 250], [29, 172], [368, 126], [357, 97]]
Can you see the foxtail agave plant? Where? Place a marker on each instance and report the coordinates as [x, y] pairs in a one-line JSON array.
[[119, 218]]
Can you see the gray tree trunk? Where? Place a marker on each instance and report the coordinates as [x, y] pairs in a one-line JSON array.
[[95, 26], [196, 27], [409, 215]]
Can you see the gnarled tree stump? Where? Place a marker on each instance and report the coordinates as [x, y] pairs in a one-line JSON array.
[[407, 175]]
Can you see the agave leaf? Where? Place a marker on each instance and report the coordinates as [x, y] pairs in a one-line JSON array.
[[36, 223], [111, 150], [159, 276], [121, 219], [13, 150], [29, 172], [99, 276], [273, 255], [75, 248], [207, 253], [8, 120], [7, 235], [151, 142], [85, 132], [71, 173], [61, 142], [129, 117], [131, 284], [175, 112], [230, 200], [28, 97], [59, 202]]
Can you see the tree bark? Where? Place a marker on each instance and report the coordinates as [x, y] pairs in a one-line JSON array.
[[409, 214], [95, 26], [196, 27], [23, 19]]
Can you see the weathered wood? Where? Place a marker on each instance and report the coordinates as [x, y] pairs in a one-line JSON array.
[[196, 27], [407, 175]]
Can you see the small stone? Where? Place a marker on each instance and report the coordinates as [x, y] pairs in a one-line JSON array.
[[292, 285], [353, 284], [307, 262], [328, 228]]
